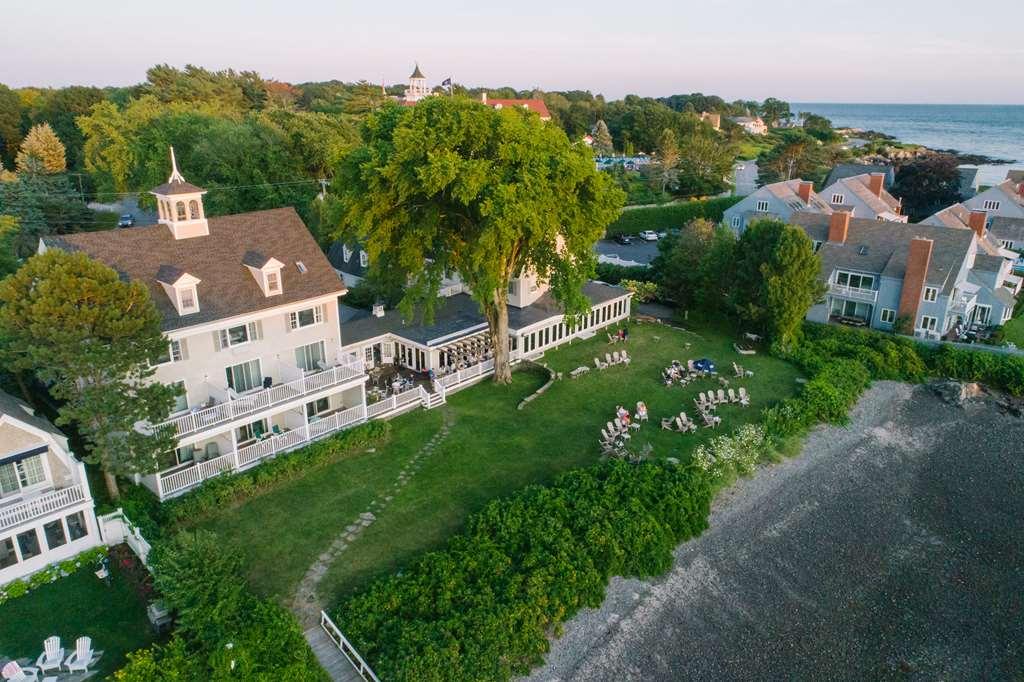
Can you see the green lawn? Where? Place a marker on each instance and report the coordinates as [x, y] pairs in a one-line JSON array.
[[1014, 330], [492, 450], [80, 604]]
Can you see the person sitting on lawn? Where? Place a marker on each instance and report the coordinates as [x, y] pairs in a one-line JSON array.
[[622, 414]]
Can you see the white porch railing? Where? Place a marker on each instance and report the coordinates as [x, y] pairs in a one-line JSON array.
[[175, 482], [40, 506], [258, 401], [362, 668], [471, 372], [867, 295]]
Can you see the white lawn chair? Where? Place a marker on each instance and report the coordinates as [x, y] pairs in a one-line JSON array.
[[622, 428], [733, 398], [666, 423], [608, 359], [690, 367], [700, 402], [615, 357], [599, 364], [744, 397], [722, 400], [83, 656], [641, 411], [52, 656], [15, 673], [625, 358]]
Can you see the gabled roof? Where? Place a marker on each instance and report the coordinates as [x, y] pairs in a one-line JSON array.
[[1009, 188], [535, 105], [227, 286], [881, 248], [1015, 176], [417, 73], [956, 215], [354, 266], [859, 185], [21, 411], [788, 191], [848, 170]]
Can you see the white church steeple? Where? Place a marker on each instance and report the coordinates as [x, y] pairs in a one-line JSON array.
[[180, 205]]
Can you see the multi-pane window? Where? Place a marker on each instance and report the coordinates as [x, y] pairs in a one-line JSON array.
[[310, 357], [180, 400], [244, 376], [26, 473], [888, 315], [248, 432], [838, 199], [736, 220], [76, 526], [928, 323], [7, 555], [188, 299], [991, 205], [273, 282], [306, 317], [762, 206], [931, 294], [317, 407], [28, 544], [54, 532], [983, 314], [855, 281], [236, 336]]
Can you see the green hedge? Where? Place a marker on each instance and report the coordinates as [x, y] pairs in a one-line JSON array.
[[484, 607], [228, 489], [223, 630], [657, 218], [613, 274]]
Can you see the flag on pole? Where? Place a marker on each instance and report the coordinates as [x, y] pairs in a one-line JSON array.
[[447, 82]]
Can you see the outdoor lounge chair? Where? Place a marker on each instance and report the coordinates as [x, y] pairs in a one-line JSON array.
[[52, 656], [680, 426], [625, 358], [733, 398], [666, 423], [83, 656], [608, 359], [615, 357], [641, 411], [744, 397], [599, 364], [722, 400], [15, 673]]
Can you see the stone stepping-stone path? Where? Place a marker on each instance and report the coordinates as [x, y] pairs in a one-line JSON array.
[[307, 604]]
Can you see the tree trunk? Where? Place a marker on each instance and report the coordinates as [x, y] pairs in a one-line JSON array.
[[23, 387], [496, 312], [111, 481]]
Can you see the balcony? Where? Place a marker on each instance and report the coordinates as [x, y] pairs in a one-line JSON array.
[[863, 295], [173, 482], [963, 304], [24, 511], [236, 407]]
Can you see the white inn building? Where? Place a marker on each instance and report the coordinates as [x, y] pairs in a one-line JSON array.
[[46, 509]]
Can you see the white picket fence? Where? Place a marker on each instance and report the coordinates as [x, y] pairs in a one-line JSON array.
[[116, 528]]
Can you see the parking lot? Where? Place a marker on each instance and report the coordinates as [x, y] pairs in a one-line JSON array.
[[637, 253]]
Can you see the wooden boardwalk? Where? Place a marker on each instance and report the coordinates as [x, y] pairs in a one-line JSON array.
[[333, 661]]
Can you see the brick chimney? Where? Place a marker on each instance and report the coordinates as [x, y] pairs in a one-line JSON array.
[[919, 256], [804, 189], [838, 227], [976, 222], [876, 182]]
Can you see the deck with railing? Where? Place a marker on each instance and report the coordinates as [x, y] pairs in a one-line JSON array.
[[258, 401], [853, 293], [40, 505]]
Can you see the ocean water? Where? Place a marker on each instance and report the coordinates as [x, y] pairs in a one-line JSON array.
[[993, 130]]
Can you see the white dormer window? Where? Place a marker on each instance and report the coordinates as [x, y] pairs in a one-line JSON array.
[[346, 253], [762, 206], [991, 205], [273, 282], [838, 199], [930, 294], [188, 302], [364, 260], [266, 272]]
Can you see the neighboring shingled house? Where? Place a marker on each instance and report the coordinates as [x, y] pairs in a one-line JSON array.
[[848, 170], [1008, 232], [934, 276], [1005, 199], [779, 200], [864, 196]]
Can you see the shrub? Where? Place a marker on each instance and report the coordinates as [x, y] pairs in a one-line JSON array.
[[671, 216], [227, 489], [725, 457], [613, 274], [53, 572], [483, 607]]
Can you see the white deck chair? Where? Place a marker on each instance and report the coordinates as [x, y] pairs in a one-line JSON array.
[[641, 411], [666, 423], [690, 426], [625, 358], [744, 397], [83, 656], [598, 364], [15, 673], [690, 367], [722, 400], [733, 398], [615, 357], [608, 359], [623, 429], [52, 656]]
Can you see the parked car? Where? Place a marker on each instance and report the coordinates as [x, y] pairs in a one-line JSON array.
[[648, 236], [623, 239], [127, 220], [662, 235]]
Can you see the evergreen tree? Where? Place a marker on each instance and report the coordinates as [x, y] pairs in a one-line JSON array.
[[91, 338], [43, 145], [602, 139]]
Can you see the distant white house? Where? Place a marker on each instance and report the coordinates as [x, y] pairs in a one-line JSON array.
[[1004, 200], [46, 509], [778, 200], [752, 124], [864, 196]]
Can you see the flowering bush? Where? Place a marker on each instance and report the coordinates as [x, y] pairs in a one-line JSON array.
[[52, 573], [726, 456]]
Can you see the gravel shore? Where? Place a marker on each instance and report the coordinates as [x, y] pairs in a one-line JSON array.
[[892, 548]]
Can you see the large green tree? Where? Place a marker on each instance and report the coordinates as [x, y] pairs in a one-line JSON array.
[[928, 185], [705, 165], [90, 337], [776, 279], [43, 205], [679, 256], [451, 185], [10, 124]]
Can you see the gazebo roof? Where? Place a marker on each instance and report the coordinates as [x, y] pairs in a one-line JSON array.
[[417, 73]]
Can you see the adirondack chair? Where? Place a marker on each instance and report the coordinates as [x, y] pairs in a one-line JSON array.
[[680, 426], [690, 367], [666, 423], [700, 402], [623, 429], [689, 423], [608, 359], [710, 400], [599, 364], [744, 397], [625, 358], [612, 339], [615, 357], [14, 672], [52, 656], [721, 397], [733, 398], [641, 411], [83, 656]]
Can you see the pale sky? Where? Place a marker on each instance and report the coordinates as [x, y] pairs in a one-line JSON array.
[[826, 51]]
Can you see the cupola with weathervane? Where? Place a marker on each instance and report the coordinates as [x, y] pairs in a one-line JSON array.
[[417, 88], [180, 205]]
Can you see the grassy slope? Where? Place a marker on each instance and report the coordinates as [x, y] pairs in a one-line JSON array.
[[1014, 330], [80, 604], [492, 450]]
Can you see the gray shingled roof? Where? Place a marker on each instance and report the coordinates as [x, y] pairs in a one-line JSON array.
[[336, 256], [1016, 176], [176, 187], [457, 316], [227, 287], [988, 263], [881, 248], [22, 412], [1007, 228], [848, 170]]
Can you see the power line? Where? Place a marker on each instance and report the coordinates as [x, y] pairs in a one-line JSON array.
[[219, 188]]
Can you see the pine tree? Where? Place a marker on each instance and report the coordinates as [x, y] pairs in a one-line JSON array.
[[602, 139], [42, 144]]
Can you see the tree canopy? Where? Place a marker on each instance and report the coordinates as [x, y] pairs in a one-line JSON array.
[[928, 185], [453, 186], [43, 146]]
